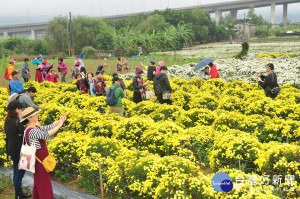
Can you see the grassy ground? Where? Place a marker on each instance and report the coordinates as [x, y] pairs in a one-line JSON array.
[[91, 65], [6, 187]]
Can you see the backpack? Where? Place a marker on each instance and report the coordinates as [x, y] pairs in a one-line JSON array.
[[111, 98], [6, 76]]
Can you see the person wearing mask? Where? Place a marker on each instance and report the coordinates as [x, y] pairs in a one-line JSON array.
[[15, 84], [25, 70], [62, 68], [14, 131], [122, 84], [52, 76], [26, 96], [81, 64], [162, 86], [100, 85], [91, 82], [213, 71], [269, 82], [82, 84], [139, 86], [39, 76], [205, 74], [42, 187], [119, 94]]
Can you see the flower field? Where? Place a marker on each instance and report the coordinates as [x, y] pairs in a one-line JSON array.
[[162, 151]]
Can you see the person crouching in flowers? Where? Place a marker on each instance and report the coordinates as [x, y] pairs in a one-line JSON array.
[[82, 84], [52, 76], [139, 86], [42, 187]]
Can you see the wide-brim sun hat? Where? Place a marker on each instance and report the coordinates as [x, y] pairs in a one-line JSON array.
[[40, 67], [28, 112]]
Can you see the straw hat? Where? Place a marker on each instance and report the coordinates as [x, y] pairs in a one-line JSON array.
[[40, 66], [28, 112]]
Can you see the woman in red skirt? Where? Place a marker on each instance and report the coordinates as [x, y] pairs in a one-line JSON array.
[[42, 187]]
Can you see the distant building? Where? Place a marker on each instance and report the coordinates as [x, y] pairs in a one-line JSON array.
[[247, 28]]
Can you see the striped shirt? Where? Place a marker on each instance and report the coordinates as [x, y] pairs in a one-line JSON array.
[[39, 133]]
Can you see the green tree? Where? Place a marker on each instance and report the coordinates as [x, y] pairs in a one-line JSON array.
[[85, 30], [57, 35], [153, 23], [104, 41]]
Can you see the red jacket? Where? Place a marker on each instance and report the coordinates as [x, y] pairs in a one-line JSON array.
[[213, 72], [52, 78], [39, 77]]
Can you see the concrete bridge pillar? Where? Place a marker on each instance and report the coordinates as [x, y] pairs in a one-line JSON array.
[[273, 13], [285, 11], [234, 14], [5, 34], [218, 15], [32, 35]]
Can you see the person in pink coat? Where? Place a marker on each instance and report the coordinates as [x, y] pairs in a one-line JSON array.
[[62, 68], [52, 76], [160, 64]]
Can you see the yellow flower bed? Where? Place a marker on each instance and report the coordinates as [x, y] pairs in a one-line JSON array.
[[162, 151], [275, 55]]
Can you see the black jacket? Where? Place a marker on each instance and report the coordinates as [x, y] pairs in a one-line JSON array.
[[14, 131], [268, 83], [161, 84], [150, 75]]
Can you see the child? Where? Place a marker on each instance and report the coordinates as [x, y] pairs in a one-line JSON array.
[[52, 76]]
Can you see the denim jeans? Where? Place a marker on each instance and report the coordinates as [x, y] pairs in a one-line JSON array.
[[17, 178]]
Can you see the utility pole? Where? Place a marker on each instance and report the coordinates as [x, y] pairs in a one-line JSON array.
[[71, 36]]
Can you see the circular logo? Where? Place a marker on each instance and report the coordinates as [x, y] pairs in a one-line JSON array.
[[221, 182]]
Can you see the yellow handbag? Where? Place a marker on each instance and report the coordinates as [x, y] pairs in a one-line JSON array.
[[49, 162]]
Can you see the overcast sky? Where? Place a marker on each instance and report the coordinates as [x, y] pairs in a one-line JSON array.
[[11, 10]]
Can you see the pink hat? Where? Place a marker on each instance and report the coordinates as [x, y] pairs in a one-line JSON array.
[[138, 70], [11, 61], [161, 63]]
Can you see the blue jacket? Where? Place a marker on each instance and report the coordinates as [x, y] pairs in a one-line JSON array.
[[36, 62], [15, 85]]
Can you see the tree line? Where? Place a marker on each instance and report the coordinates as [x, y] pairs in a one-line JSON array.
[[165, 30]]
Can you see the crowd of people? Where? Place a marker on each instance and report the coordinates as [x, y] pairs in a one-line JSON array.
[[21, 122]]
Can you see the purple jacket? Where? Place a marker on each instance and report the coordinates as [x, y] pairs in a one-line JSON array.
[[63, 67]]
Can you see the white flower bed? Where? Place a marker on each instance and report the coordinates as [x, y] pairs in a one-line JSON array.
[[287, 69], [230, 50]]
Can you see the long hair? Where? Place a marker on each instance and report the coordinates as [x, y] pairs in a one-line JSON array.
[[11, 114]]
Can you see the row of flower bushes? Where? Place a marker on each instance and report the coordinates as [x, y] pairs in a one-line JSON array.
[[160, 151]]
